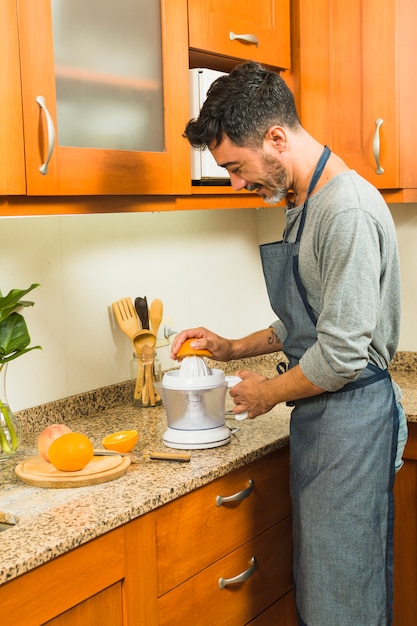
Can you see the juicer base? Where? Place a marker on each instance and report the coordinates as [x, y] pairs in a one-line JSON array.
[[197, 439]]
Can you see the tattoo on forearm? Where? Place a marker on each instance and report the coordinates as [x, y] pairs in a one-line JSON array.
[[273, 337]]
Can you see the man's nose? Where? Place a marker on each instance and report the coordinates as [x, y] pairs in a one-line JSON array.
[[238, 183]]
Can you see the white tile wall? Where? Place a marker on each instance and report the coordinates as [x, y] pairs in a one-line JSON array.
[[204, 265]]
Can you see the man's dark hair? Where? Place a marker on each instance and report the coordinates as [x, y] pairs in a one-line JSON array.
[[242, 105]]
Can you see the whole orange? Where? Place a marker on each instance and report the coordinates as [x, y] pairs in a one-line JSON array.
[[71, 452]]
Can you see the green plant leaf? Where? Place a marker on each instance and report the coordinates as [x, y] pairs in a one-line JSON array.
[[13, 300], [14, 334]]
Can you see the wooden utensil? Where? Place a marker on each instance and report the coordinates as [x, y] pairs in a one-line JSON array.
[[140, 379], [148, 361], [155, 315], [126, 317], [141, 306], [142, 338]]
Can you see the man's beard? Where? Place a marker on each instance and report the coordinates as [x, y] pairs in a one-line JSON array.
[[276, 179]]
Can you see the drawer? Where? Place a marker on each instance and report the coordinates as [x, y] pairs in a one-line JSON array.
[[281, 613], [193, 531], [201, 601]]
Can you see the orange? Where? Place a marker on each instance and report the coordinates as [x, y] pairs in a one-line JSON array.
[[187, 350], [122, 441], [71, 452]]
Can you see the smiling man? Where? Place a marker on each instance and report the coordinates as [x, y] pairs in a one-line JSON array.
[[333, 282]]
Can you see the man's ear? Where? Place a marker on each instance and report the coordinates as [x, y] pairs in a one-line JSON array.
[[277, 136]]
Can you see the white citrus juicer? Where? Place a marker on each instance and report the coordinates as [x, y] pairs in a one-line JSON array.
[[194, 397]]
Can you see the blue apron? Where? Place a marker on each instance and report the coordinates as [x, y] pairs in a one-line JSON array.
[[342, 451]]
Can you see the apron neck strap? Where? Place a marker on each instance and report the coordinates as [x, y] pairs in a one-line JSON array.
[[321, 164]]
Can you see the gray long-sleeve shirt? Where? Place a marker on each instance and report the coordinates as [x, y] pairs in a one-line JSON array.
[[349, 266]]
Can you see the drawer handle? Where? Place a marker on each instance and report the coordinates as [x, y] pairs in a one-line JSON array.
[[247, 38], [376, 147], [240, 578], [240, 495], [51, 134]]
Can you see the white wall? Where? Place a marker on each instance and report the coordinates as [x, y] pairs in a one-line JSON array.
[[204, 265]]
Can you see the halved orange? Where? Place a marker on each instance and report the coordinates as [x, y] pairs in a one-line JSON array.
[[187, 350], [122, 441], [71, 452]]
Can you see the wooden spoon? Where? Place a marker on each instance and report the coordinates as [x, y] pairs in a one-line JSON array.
[[155, 315], [144, 337], [148, 361], [141, 306]]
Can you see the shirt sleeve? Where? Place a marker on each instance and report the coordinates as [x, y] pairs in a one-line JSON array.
[[348, 257]]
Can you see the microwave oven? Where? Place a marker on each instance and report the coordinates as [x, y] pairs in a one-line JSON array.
[[204, 169]]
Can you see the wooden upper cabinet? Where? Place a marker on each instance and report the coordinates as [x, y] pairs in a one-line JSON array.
[[85, 72], [242, 29], [12, 162], [357, 85]]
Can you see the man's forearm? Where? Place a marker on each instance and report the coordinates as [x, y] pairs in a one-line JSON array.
[[262, 342], [293, 385]]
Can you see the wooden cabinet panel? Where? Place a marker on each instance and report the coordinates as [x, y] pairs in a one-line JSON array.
[[405, 533], [353, 69], [89, 171], [212, 21], [207, 604], [104, 609], [53, 588], [140, 584], [12, 160], [281, 613], [203, 532]]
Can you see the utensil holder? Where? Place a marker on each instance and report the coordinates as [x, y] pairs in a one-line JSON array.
[[145, 371]]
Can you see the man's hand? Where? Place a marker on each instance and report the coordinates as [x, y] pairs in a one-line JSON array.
[[203, 339]]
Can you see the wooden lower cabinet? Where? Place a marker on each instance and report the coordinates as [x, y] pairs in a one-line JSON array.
[[193, 531], [200, 600], [104, 609], [79, 586], [405, 535], [202, 540], [163, 568], [281, 613]]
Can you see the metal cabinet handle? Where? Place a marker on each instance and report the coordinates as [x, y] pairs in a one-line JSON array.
[[51, 134], [240, 578], [247, 38], [376, 146], [240, 495]]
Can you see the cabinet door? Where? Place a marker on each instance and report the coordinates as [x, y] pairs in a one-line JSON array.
[[12, 162], [69, 588], [104, 608], [351, 59], [242, 30], [113, 76]]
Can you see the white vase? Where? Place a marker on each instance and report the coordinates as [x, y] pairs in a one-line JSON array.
[[10, 431]]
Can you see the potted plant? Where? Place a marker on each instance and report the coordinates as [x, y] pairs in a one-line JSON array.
[[14, 341]]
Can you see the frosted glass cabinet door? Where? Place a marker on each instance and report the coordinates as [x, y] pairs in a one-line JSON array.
[[105, 96], [108, 72]]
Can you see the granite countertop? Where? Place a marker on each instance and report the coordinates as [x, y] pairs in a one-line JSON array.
[[54, 521]]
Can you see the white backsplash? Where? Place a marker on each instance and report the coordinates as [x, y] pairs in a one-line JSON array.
[[204, 265]]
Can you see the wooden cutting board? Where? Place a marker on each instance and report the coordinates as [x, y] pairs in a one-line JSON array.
[[38, 473]]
